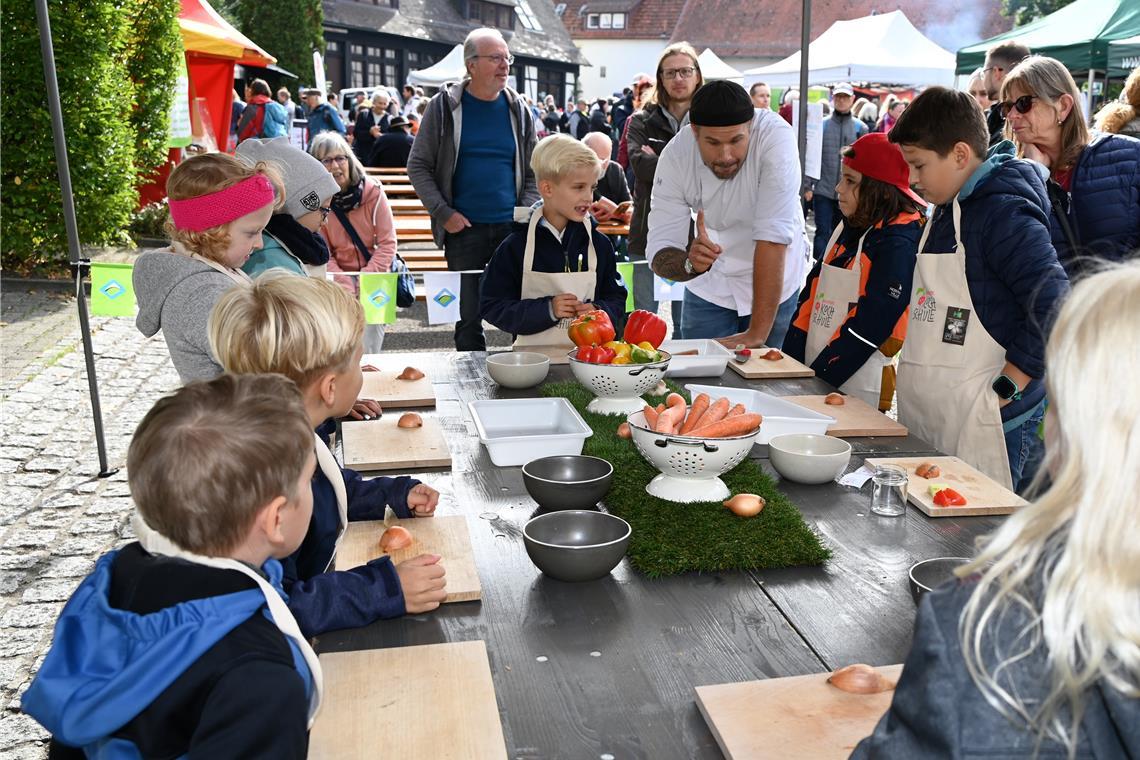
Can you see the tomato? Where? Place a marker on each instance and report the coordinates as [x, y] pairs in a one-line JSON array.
[[645, 327], [948, 497], [592, 329]]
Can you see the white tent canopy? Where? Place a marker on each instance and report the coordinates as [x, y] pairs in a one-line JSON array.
[[450, 69], [712, 67], [883, 48]]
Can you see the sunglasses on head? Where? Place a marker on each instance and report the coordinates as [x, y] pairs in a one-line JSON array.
[[1022, 104]]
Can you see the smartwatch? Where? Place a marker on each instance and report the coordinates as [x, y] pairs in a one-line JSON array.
[[1006, 389]]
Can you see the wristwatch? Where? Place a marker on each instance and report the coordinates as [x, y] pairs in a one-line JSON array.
[[1006, 389], [689, 266]]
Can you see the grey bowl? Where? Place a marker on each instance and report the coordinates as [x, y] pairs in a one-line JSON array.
[[571, 481], [576, 545], [518, 369], [932, 573]]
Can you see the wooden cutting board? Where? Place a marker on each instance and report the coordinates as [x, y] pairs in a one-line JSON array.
[[447, 536], [557, 354], [854, 418], [760, 369], [383, 445], [983, 495], [433, 701], [797, 717], [391, 393]]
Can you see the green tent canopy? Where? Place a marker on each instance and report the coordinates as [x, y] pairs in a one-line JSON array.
[[1123, 56], [1078, 35]]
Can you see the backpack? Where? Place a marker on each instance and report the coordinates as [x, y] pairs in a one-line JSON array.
[[252, 121]]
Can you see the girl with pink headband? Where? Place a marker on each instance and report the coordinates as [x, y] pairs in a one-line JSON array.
[[218, 207]]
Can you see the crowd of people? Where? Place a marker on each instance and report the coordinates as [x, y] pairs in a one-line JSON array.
[[975, 263]]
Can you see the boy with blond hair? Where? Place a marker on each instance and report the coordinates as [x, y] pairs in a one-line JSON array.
[[312, 331], [180, 643], [556, 266]]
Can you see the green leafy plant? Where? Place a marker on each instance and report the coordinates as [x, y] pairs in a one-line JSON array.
[[149, 221], [290, 30], [153, 54]]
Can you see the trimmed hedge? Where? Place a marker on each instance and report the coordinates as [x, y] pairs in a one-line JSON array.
[[153, 57]]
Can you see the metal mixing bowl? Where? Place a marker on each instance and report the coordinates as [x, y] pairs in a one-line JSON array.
[[576, 545], [567, 482]]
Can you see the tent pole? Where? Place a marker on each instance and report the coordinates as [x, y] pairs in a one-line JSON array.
[[1092, 81], [805, 41], [77, 264]]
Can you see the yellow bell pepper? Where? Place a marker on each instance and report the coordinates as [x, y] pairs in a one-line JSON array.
[[647, 345], [620, 348], [620, 360]]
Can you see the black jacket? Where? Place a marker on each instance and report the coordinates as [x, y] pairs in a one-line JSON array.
[[362, 139], [995, 122], [648, 126], [612, 185], [391, 149], [243, 698]]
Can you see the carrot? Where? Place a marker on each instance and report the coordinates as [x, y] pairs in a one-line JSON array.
[[717, 412], [738, 409], [660, 408], [650, 417], [668, 419], [729, 426], [696, 411]]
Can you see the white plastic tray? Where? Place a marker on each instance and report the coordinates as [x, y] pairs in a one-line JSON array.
[[516, 431], [780, 416], [710, 361]]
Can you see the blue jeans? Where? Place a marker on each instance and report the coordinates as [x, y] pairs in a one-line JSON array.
[[703, 319], [471, 249], [827, 218], [1024, 446]]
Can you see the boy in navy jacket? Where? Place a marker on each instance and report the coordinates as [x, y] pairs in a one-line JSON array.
[[992, 217], [573, 269], [180, 644], [312, 331]]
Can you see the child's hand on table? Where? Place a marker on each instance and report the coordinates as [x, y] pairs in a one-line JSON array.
[[365, 409], [423, 582], [422, 500], [564, 305]]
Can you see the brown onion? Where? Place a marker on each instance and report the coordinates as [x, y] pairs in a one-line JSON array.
[[396, 537], [410, 373], [773, 355], [746, 504], [860, 679], [927, 470], [410, 420], [623, 431], [834, 399]]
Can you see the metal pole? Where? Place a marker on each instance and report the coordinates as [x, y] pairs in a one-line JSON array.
[[1092, 81], [805, 41], [77, 264]]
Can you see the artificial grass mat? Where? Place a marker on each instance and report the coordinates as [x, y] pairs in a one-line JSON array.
[[670, 538]]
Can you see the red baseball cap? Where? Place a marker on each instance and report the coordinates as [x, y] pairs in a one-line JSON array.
[[879, 158]]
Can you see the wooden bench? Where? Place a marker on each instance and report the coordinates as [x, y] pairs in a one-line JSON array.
[[406, 206]]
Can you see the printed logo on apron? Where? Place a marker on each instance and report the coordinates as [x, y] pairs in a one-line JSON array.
[[924, 305], [823, 312], [954, 330]]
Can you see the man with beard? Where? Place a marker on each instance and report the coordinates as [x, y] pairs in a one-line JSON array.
[[840, 129], [737, 169], [1000, 60]]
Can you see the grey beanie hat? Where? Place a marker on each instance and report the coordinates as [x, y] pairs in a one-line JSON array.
[[306, 180]]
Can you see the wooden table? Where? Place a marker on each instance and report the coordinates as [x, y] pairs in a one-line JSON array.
[[623, 654]]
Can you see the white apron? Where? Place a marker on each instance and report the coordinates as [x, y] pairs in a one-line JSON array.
[[836, 290], [156, 543], [949, 362], [328, 465], [543, 284]]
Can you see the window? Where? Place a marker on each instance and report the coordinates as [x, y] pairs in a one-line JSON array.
[[491, 14], [605, 21], [619, 21], [357, 73], [560, 9], [390, 76], [552, 83], [592, 21], [374, 52], [527, 17], [332, 47], [373, 74], [356, 49]]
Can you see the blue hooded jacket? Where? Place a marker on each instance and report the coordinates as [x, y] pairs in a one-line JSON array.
[[1103, 205], [1012, 271], [108, 665]]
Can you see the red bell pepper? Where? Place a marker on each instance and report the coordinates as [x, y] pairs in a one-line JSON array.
[[948, 497], [595, 354], [645, 326], [592, 328]]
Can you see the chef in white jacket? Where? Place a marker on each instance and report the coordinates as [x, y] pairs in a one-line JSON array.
[[737, 170]]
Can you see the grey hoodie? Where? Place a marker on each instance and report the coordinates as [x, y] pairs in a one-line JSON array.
[[175, 294]]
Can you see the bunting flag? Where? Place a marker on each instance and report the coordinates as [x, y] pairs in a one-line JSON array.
[[667, 290], [441, 292], [378, 297], [112, 294], [625, 269]]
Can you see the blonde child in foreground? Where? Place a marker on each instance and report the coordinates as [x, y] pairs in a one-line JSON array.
[[312, 331], [1036, 651], [180, 644]]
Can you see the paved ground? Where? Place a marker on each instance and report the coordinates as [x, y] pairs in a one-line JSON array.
[[56, 515]]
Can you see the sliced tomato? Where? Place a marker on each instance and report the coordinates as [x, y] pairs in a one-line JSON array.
[[948, 497]]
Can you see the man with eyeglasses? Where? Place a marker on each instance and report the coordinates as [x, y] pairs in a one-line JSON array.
[[1000, 59], [470, 166]]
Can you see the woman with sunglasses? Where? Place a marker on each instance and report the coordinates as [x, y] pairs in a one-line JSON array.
[[1094, 185], [360, 231], [290, 239]]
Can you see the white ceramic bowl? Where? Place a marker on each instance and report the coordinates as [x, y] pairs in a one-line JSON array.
[[809, 458], [518, 369]]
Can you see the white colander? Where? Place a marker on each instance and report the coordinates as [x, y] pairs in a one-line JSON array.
[[618, 387], [690, 467]]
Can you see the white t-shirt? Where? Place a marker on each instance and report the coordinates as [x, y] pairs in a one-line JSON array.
[[760, 203]]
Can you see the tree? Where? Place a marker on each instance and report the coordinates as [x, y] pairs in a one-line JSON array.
[[96, 94], [1024, 11], [153, 55], [289, 30]]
